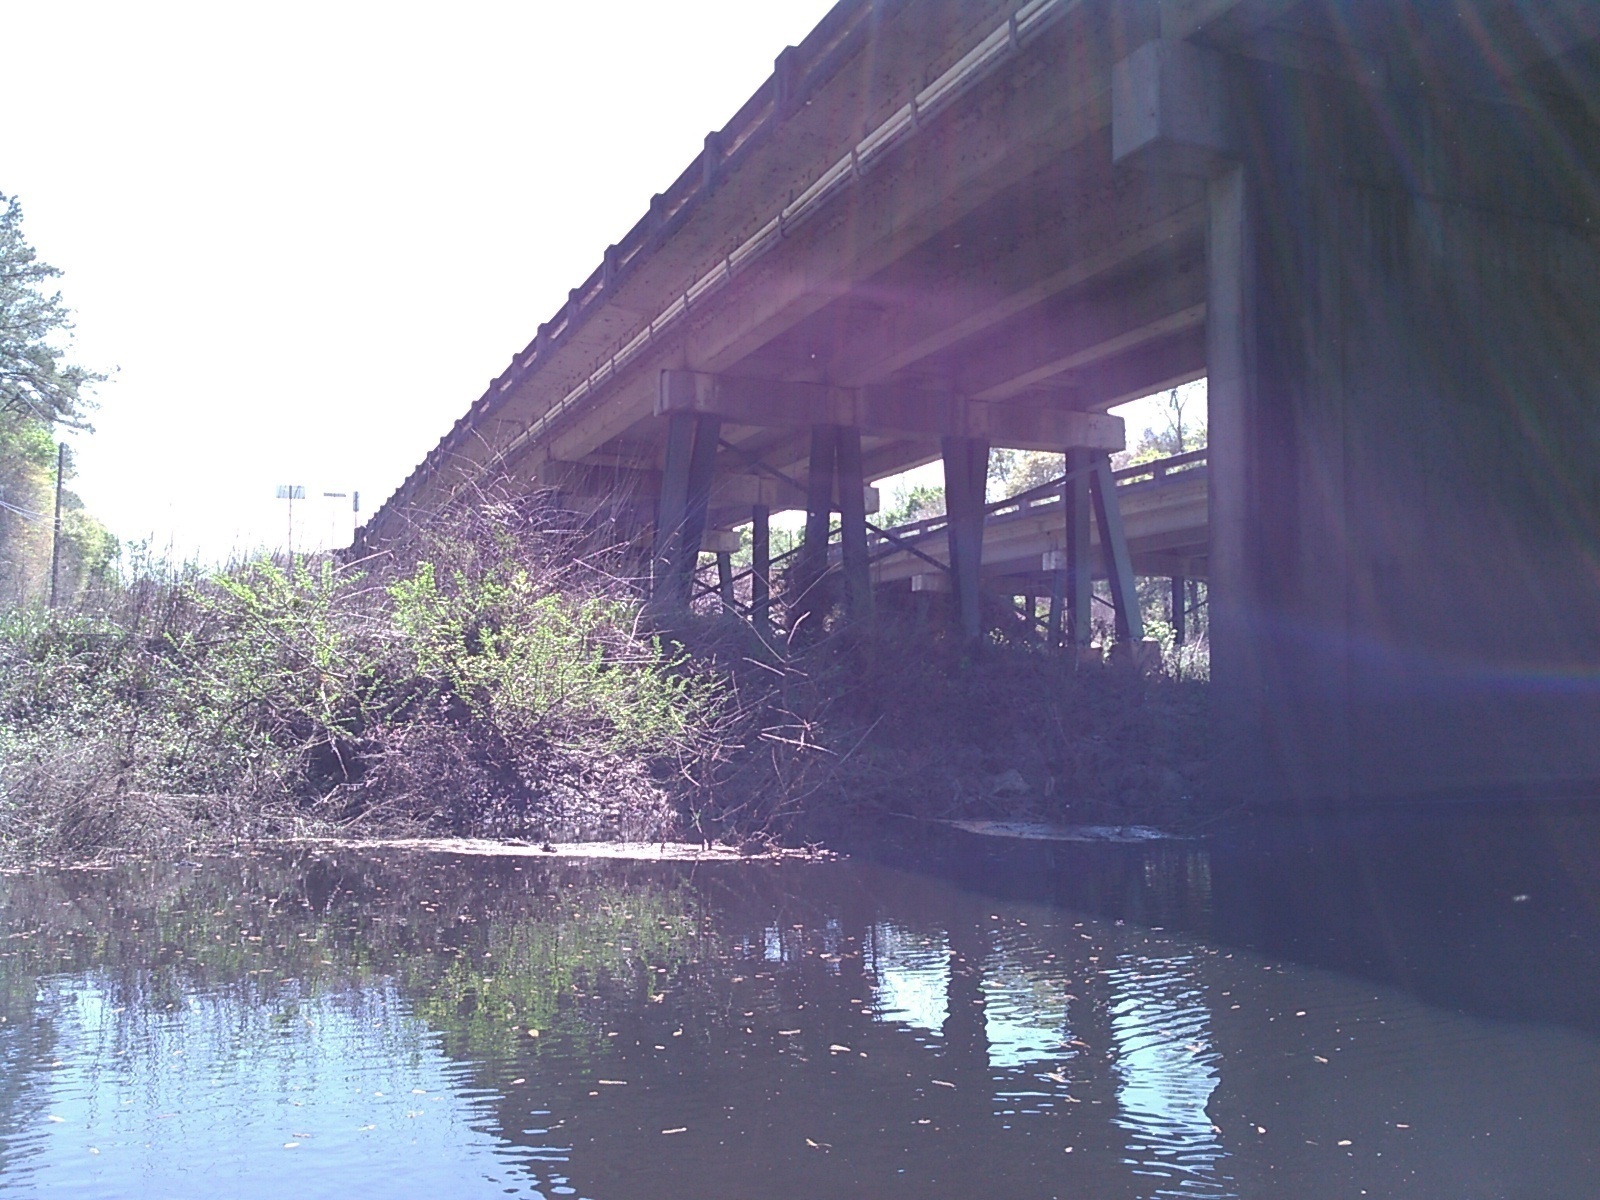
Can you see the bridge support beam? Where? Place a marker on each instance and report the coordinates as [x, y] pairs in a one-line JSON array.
[[1079, 578], [883, 410], [1179, 613], [812, 563], [1114, 546], [681, 513], [760, 568], [853, 522], [966, 474]]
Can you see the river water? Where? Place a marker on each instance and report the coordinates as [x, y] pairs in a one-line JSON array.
[[1383, 1006]]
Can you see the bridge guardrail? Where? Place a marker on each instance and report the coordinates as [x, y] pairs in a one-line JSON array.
[[1049, 493]]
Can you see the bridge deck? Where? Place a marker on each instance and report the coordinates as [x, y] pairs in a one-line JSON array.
[[921, 200]]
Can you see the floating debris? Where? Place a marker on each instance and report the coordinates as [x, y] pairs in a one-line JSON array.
[[1040, 831]]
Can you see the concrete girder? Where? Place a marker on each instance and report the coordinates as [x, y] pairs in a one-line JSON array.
[[1076, 331], [729, 489], [976, 152], [927, 317], [1123, 342], [1143, 370], [883, 409]]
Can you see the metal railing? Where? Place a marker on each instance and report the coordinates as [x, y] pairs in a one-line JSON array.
[[1049, 493]]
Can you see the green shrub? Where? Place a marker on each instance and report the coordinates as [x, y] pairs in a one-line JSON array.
[[539, 661], [484, 695]]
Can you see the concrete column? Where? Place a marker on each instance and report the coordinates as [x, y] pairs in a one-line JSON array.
[[1404, 362], [686, 477], [702, 470], [966, 473], [812, 562], [1058, 593], [1236, 685], [760, 568], [853, 522], [1080, 577], [671, 510], [1114, 547]]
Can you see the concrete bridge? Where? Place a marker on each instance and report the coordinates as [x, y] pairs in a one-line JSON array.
[[1164, 508], [947, 225]]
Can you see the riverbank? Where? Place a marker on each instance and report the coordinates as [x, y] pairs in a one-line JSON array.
[[855, 737], [895, 721], [497, 681]]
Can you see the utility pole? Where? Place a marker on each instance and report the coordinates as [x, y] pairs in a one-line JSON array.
[[55, 534], [291, 492]]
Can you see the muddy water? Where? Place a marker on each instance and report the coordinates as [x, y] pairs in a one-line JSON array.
[[1383, 1007]]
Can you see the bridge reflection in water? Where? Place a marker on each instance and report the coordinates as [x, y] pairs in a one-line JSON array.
[[1130, 1022], [1168, 1068]]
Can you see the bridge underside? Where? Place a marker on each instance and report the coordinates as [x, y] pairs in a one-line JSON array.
[[946, 225]]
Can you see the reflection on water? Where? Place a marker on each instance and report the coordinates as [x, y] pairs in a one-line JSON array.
[[1166, 1069], [912, 978], [1025, 1012], [1115, 1024], [353, 1081]]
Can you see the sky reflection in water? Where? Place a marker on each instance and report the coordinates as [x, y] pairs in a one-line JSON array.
[[386, 1025]]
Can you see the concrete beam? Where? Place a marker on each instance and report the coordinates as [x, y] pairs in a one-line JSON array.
[[931, 315], [739, 489], [1073, 333], [1169, 110], [1146, 369], [1185, 319], [885, 410]]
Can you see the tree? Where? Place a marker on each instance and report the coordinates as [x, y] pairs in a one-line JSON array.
[[1180, 433], [36, 380], [1014, 471], [906, 505], [40, 393]]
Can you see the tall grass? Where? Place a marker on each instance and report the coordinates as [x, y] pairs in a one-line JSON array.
[[487, 677], [498, 674]]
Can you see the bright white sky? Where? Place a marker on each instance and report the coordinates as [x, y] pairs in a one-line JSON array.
[[306, 235]]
